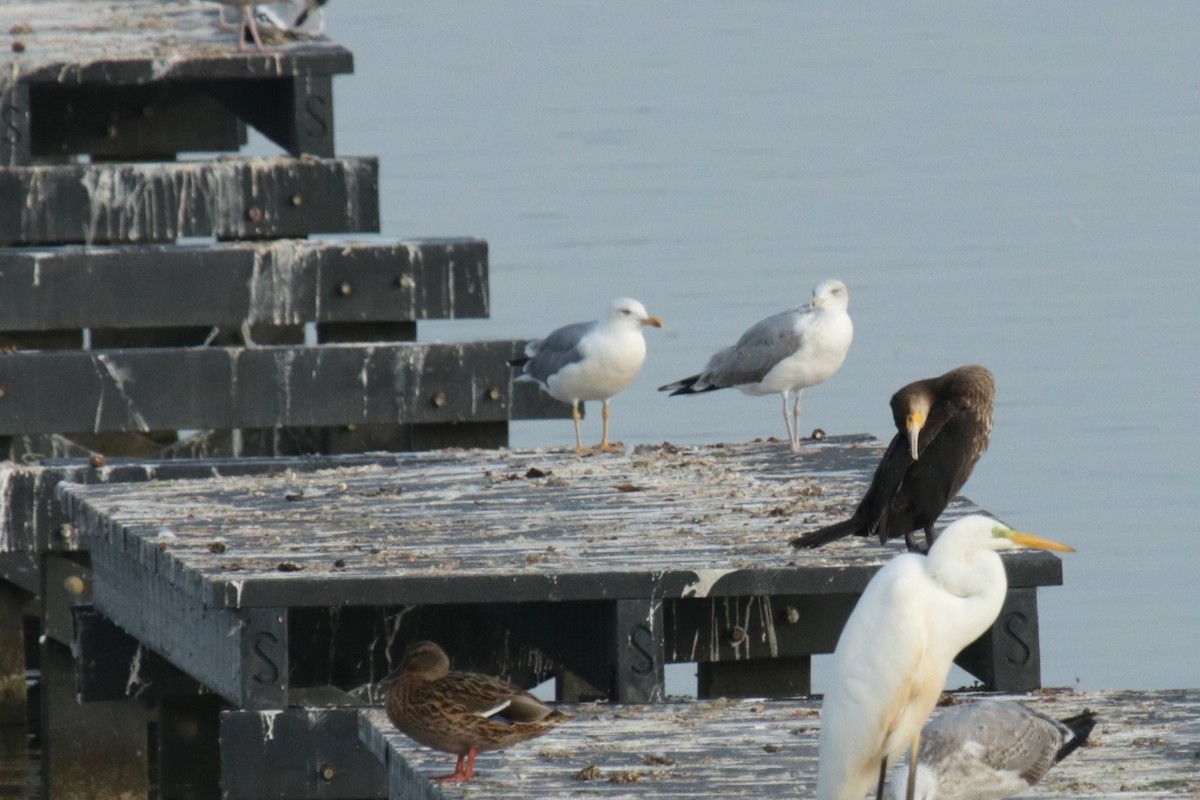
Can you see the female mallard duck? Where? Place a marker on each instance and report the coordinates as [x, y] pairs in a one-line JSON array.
[[461, 712]]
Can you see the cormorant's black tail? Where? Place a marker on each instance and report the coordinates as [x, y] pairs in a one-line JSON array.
[[829, 533], [519, 362], [685, 386], [1081, 725]]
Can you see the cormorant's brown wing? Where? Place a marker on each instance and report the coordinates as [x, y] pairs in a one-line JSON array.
[[876, 504]]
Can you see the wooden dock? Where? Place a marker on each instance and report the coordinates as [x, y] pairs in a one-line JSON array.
[[1145, 745], [195, 401], [609, 566]]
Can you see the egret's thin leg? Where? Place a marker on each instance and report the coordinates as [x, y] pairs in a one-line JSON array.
[[911, 791]]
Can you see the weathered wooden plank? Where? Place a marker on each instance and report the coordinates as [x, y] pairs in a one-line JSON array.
[[164, 389], [162, 201], [297, 753], [270, 283], [67, 42], [657, 522], [1143, 747], [32, 520]]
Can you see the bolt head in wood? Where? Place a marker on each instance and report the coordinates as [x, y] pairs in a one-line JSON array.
[[737, 634], [441, 399], [344, 288], [494, 393], [254, 214], [328, 772], [792, 615], [73, 586]]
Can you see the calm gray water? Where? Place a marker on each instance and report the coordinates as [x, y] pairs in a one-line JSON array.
[[1012, 184]]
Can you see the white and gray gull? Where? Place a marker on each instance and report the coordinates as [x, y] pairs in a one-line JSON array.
[[783, 354], [989, 750], [590, 361]]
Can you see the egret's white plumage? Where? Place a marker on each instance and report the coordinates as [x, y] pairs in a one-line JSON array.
[[783, 354], [590, 360], [893, 656], [989, 750]]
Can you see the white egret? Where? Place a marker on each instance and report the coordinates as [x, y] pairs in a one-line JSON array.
[[590, 361], [893, 657], [784, 353], [989, 750]]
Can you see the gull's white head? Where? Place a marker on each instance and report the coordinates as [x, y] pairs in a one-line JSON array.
[[627, 309], [831, 294]]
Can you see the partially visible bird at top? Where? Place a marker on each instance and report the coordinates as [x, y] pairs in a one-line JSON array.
[[989, 750], [783, 354], [943, 426], [590, 361], [463, 713], [894, 654], [246, 23], [293, 17]]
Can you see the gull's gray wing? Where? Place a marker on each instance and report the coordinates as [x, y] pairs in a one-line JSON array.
[[558, 350], [1014, 738], [756, 353]]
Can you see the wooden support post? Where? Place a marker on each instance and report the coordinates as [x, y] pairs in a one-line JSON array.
[[65, 581], [1008, 658], [264, 667], [639, 656], [15, 138], [12, 655], [294, 112], [89, 750], [298, 753], [189, 747]]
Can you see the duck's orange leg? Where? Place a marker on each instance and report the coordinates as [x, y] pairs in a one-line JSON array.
[[461, 774]]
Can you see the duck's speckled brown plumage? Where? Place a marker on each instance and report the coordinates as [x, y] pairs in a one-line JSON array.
[[462, 712], [907, 493]]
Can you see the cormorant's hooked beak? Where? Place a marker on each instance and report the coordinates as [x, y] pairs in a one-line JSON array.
[[1031, 541], [914, 423]]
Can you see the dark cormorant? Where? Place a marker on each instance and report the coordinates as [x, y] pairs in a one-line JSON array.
[[942, 428]]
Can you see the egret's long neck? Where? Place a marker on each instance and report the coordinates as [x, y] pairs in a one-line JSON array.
[[976, 577]]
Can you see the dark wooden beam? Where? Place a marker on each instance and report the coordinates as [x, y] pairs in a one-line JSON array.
[[270, 283], [160, 202], [159, 389]]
